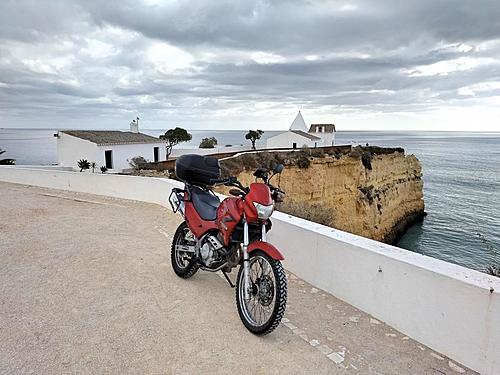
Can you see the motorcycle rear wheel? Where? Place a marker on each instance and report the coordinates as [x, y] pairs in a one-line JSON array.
[[262, 312], [181, 260]]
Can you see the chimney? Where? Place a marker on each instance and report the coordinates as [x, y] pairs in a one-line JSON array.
[[134, 126]]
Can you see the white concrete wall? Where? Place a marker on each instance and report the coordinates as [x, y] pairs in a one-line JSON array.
[[122, 153], [151, 190], [287, 139], [451, 309], [47, 167], [71, 149]]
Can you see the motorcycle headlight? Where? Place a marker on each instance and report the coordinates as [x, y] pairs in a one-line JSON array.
[[263, 211]]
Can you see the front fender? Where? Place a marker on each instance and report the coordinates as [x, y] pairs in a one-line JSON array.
[[266, 247]]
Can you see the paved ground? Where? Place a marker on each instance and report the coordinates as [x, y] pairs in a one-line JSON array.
[[86, 287]]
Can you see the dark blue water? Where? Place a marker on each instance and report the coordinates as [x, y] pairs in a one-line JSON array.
[[461, 192], [461, 184]]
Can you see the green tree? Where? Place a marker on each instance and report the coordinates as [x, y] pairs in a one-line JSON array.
[[83, 164], [173, 137], [208, 142], [253, 135], [6, 161]]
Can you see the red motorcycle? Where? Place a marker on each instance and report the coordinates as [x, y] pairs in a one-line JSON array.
[[218, 236]]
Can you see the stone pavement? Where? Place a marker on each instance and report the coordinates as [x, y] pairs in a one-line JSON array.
[[86, 287]]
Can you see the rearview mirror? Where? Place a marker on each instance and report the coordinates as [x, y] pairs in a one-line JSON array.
[[278, 168], [260, 172]]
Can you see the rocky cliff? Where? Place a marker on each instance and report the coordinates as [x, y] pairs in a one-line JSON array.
[[375, 194]]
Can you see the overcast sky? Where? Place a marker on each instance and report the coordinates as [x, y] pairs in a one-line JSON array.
[[367, 64]]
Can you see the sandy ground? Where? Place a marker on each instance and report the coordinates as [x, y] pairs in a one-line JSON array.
[[86, 287]]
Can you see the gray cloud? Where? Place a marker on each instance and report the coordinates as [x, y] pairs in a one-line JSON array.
[[199, 62]]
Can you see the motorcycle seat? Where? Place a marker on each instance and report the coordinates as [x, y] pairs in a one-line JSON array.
[[204, 202]]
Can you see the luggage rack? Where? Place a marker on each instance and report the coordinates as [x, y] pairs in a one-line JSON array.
[[177, 200]]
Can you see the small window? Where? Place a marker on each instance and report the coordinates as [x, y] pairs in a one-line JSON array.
[[294, 145], [108, 157], [156, 153]]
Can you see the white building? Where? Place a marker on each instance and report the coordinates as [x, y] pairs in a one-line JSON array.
[[293, 139], [297, 136], [325, 131], [108, 148]]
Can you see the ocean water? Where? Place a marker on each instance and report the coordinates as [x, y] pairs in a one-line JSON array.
[[461, 183]]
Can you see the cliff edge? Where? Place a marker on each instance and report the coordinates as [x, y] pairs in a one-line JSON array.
[[370, 191]]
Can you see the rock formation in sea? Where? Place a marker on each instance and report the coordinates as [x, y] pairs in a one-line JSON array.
[[373, 192]]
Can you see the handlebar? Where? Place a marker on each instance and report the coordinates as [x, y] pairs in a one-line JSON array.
[[218, 181], [232, 181], [274, 188]]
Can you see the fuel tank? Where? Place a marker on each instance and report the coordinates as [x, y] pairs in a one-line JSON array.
[[228, 216]]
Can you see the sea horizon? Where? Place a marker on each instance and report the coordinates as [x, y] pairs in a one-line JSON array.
[[269, 130]]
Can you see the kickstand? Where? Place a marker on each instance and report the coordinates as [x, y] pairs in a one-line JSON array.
[[228, 279]]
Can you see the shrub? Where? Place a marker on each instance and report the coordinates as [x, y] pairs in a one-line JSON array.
[[137, 162], [103, 169], [250, 162], [303, 162], [365, 155], [336, 155], [366, 159], [493, 270], [83, 164], [355, 152], [317, 153]]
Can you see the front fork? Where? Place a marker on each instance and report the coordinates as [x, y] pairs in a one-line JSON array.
[[246, 257]]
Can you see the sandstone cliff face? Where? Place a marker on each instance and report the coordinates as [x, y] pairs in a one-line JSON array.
[[379, 203]]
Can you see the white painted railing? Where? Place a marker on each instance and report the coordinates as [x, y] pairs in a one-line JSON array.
[[451, 309]]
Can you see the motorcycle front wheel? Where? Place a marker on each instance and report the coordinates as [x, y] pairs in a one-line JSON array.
[[264, 307]]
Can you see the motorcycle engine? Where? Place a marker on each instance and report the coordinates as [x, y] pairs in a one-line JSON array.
[[208, 251]]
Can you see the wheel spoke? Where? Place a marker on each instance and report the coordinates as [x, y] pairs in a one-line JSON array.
[[259, 306], [253, 272], [267, 270], [261, 266], [183, 257]]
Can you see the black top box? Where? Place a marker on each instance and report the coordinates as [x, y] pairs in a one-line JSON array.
[[197, 169]]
